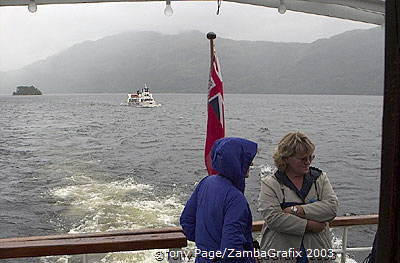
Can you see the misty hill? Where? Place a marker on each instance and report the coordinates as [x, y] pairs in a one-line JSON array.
[[25, 90], [349, 63]]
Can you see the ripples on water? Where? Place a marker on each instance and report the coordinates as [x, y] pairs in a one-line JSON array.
[[83, 163]]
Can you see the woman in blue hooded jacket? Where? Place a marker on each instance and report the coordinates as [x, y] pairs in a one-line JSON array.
[[217, 216]]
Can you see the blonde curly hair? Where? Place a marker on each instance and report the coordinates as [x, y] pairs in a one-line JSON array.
[[290, 145]]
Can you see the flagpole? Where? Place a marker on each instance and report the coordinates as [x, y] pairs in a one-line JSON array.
[[211, 36], [215, 120]]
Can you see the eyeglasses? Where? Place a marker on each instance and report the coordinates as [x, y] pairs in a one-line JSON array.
[[309, 158]]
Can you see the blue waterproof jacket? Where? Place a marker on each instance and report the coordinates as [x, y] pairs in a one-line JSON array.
[[217, 216]]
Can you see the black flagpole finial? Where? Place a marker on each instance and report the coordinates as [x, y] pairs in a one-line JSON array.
[[211, 35]]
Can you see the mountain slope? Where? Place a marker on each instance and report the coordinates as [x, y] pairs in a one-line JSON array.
[[349, 63]]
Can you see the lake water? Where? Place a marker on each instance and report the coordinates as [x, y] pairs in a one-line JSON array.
[[83, 163]]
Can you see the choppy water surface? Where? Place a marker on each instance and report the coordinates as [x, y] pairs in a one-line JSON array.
[[83, 163]]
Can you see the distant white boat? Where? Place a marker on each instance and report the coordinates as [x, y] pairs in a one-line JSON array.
[[142, 98]]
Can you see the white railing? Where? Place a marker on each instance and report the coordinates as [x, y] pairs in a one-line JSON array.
[[343, 222], [343, 251], [164, 238]]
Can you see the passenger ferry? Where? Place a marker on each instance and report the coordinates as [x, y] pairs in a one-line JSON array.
[[142, 98]]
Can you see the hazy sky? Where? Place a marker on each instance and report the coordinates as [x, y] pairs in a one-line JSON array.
[[26, 37]]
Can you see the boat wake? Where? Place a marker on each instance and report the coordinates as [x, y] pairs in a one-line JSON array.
[[118, 205]]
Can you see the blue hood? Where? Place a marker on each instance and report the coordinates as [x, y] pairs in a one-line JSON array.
[[231, 158]]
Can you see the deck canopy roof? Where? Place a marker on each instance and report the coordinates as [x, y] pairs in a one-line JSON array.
[[368, 11]]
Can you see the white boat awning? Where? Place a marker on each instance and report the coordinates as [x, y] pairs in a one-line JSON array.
[[368, 11]]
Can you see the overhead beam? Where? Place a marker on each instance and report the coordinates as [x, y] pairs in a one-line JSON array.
[[368, 11]]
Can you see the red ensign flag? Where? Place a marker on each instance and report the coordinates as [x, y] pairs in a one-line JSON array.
[[216, 120]]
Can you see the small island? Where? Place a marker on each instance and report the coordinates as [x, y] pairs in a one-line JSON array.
[[27, 90]]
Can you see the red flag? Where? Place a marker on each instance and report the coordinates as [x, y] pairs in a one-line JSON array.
[[216, 119]]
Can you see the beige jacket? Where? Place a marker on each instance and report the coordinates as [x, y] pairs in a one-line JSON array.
[[285, 232]]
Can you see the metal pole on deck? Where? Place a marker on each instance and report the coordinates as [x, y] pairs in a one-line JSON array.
[[389, 205]]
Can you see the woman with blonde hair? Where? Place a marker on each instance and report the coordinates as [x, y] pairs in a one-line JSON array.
[[296, 202]]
